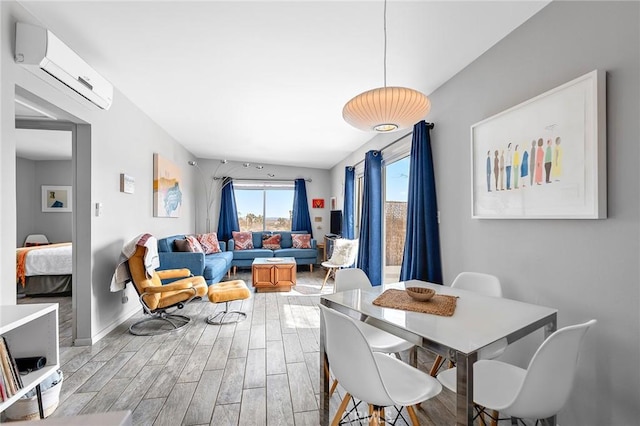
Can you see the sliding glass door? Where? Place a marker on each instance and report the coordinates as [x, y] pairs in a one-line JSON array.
[[396, 185]]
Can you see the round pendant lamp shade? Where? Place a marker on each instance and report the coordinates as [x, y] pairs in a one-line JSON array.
[[386, 109]]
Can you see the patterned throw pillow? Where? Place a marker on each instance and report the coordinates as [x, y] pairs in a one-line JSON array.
[[301, 241], [189, 244], [271, 242], [242, 240], [194, 244], [209, 242]]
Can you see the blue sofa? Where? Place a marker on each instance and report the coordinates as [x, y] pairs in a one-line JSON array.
[[211, 266], [244, 258]]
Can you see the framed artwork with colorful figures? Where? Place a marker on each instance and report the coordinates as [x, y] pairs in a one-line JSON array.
[[544, 158]]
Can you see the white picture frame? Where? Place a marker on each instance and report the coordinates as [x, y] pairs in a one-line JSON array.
[[56, 198], [568, 180]]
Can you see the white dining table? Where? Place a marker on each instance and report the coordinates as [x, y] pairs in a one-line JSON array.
[[477, 322]]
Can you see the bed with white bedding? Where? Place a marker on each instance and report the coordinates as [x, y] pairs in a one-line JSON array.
[[45, 269]]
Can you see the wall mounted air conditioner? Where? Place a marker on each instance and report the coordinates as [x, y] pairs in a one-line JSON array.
[[39, 47]]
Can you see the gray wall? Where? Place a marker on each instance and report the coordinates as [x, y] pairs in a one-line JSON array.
[[587, 268], [120, 140], [31, 175]]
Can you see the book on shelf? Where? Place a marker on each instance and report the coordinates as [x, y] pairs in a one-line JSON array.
[[10, 374], [3, 392], [14, 365], [6, 371]]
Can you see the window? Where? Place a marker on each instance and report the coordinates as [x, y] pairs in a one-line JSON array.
[[264, 206]]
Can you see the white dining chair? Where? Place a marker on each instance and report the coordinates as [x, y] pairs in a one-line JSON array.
[[538, 392], [378, 339], [35, 239], [374, 378], [343, 255], [486, 285]]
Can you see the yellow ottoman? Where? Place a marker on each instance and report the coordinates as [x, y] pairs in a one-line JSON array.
[[227, 292]]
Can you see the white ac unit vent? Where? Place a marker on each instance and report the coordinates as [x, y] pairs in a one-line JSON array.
[[36, 46]]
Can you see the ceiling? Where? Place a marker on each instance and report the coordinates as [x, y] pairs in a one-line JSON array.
[[266, 81], [39, 145]]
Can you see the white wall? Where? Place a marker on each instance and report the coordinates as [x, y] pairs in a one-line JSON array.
[[319, 187], [122, 140], [585, 268]]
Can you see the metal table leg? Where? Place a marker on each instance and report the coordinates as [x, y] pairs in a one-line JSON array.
[[464, 388]]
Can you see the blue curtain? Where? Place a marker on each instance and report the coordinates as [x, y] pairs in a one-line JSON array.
[[348, 210], [370, 247], [300, 221], [228, 221], [421, 257]]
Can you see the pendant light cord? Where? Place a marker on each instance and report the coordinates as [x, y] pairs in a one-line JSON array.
[[385, 43]]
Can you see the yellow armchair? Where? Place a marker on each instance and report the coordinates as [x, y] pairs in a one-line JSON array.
[[157, 299]]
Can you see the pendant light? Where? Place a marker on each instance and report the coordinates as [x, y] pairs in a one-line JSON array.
[[386, 109]]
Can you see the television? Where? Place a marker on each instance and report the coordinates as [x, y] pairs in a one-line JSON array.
[[336, 222]]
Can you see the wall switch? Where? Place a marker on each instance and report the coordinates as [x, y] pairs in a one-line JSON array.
[[98, 209]]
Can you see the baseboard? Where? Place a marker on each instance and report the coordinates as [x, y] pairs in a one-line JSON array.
[[115, 323], [83, 342]]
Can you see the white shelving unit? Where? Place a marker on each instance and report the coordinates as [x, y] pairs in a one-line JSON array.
[[31, 330]]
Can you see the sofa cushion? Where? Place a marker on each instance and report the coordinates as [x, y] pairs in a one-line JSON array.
[[209, 242], [301, 241], [242, 240], [167, 244], [271, 241], [216, 265], [251, 254], [297, 253]]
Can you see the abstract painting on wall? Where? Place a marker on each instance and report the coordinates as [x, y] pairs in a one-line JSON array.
[[544, 158], [56, 199], [167, 193]]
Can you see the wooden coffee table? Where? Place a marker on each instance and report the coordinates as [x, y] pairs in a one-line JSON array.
[[273, 273]]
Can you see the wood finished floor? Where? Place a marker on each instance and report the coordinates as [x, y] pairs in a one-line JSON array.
[[264, 370]]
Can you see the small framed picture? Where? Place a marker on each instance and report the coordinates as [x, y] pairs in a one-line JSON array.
[[56, 199], [127, 183], [317, 203]]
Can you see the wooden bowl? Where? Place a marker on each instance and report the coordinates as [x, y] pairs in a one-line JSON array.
[[420, 293]]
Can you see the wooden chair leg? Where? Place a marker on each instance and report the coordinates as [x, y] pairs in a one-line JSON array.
[[341, 408], [311, 267], [326, 277], [334, 385], [373, 416], [436, 366], [494, 418], [412, 416]]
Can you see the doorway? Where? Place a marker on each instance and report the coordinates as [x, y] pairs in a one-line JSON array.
[[37, 117]]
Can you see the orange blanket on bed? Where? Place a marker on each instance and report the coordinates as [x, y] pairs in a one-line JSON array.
[[21, 258]]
